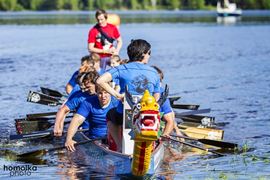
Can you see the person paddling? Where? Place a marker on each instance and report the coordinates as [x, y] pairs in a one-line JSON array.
[[93, 110], [87, 80], [166, 110], [137, 76]]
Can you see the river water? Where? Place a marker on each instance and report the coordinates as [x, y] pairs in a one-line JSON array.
[[222, 64]]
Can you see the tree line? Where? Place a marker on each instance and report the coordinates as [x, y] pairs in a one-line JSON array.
[[44, 5]]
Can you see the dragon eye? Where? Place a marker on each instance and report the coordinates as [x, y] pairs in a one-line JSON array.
[[138, 106]]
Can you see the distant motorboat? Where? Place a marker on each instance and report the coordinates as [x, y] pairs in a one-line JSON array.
[[228, 9]]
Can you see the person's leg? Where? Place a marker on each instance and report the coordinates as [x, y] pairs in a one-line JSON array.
[[114, 123], [104, 62]]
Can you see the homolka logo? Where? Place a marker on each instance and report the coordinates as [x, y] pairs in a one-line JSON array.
[[23, 170]]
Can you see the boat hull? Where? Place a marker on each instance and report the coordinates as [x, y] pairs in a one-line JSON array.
[[114, 163]]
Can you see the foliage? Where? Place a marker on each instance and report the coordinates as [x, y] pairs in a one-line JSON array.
[[15, 5]]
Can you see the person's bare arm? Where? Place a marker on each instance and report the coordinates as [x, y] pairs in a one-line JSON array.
[[59, 120], [68, 88], [103, 82], [76, 121], [118, 46]]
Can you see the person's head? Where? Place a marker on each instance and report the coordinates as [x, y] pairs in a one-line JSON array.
[[103, 96], [101, 17], [116, 61], [87, 81], [160, 73], [139, 50], [86, 64]]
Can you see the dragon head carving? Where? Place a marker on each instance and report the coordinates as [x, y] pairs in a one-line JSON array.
[[146, 118]]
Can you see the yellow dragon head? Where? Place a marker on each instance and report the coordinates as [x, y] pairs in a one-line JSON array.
[[146, 120]]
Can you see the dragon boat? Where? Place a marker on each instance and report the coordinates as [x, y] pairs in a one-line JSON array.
[[142, 152]]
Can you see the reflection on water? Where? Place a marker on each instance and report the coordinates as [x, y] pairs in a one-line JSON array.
[[229, 20]]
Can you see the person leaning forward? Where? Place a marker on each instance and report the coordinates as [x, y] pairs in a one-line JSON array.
[[137, 75], [101, 38]]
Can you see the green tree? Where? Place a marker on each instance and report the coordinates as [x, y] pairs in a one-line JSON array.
[[175, 4], [101, 4], [8, 5], [134, 4], [90, 4], [196, 4], [265, 4]]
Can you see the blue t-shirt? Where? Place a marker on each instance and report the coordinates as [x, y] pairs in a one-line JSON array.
[[138, 77], [166, 107], [74, 102], [96, 115], [73, 78], [75, 89]]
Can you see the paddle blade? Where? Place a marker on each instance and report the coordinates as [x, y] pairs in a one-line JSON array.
[[173, 98], [221, 144], [186, 106], [36, 97], [51, 92]]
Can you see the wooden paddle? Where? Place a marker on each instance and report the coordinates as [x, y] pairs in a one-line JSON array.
[[211, 142], [36, 135], [192, 145], [39, 98], [201, 133], [43, 151]]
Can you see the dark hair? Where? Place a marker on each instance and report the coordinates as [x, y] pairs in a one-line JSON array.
[[159, 71], [137, 48], [101, 11], [85, 58], [91, 76]]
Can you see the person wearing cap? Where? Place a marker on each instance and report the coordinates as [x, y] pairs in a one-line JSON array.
[[102, 37]]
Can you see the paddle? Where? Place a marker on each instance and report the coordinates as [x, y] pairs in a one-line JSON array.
[[185, 106], [43, 151], [200, 111], [36, 135], [199, 119], [40, 114], [24, 127], [192, 145], [211, 142], [37, 97], [173, 98], [37, 115], [51, 92]]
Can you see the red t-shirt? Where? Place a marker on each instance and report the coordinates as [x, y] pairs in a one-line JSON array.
[[94, 36]]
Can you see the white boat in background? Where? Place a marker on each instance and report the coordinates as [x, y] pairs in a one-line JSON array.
[[228, 9]]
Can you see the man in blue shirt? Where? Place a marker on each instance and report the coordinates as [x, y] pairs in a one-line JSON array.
[[74, 100], [137, 76], [94, 110]]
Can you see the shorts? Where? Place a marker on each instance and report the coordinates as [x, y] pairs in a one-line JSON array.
[[115, 117]]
